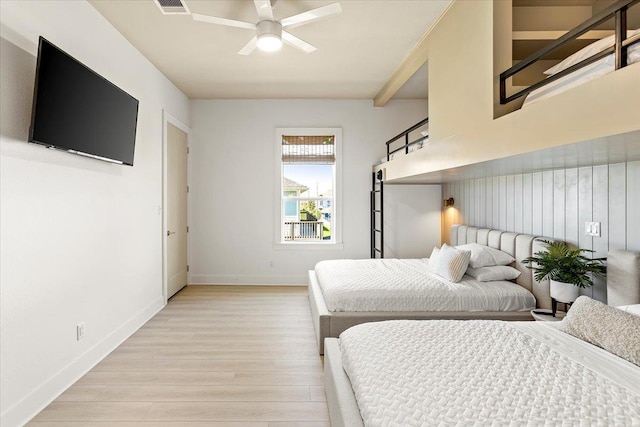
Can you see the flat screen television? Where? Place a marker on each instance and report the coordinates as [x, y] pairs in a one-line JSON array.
[[77, 110]]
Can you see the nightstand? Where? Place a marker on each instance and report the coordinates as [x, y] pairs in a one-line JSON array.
[[543, 315]]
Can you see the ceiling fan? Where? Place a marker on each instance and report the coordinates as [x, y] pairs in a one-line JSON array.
[[270, 34]]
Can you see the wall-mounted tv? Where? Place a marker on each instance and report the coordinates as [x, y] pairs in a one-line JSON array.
[[77, 110]]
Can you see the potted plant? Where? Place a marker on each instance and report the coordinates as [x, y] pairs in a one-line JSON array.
[[567, 269]]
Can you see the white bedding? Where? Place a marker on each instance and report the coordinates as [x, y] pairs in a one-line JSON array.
[[583, 75], [409, 285], [443, 372]]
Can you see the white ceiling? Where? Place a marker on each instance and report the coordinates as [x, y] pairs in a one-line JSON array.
[[358, 50]]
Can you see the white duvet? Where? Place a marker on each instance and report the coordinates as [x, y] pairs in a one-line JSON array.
[[409, 285], [443, 372]]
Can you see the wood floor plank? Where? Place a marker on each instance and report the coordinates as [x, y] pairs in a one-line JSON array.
[[94, 411], [157, 424], [207, 365], [201, 378], [215, 356], [187, 393], [317, 393], [238, 411], [298, 424], [239, 353]]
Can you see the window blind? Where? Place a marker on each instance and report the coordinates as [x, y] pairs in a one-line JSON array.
[[308, 150]]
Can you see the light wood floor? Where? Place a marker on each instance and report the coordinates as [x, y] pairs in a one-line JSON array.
[[214, 356]]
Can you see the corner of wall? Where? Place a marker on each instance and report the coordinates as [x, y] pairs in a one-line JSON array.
[[38, 399]]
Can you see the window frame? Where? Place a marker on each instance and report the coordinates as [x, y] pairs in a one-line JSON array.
[[336, 221]]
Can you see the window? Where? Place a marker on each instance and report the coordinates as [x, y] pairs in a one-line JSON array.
[[308, 161]]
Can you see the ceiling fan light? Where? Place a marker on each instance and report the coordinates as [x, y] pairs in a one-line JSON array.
[[269, 42], [269, 36]]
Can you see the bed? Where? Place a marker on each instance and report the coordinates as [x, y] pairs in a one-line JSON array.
[[443, 372], [330, 320], [583, 75]]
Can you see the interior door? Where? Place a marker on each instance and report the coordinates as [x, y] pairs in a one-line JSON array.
[[176, 209]]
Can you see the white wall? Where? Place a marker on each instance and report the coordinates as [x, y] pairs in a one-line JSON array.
[[81, 239], [232, 182], [412, 220]]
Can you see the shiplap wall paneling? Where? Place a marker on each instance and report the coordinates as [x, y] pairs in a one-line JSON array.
[[527, 195], [600, 203], [548, 191], [571, 205], [559, 199], [556, 204], [535, 204], [496, 203], [518, 217], [618, 206], [633, 206], [503, 202], [488, 192], [510, 203]]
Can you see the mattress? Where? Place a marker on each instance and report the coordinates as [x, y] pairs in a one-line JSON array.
[[590, 72], [443, 372], [409, 285]]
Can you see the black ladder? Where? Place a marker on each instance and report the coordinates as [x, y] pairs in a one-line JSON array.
[[377, 216]]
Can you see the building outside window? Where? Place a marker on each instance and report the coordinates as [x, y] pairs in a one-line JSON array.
[[308, 170]]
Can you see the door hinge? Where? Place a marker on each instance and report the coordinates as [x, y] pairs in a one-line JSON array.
[[187, 188], [187, 228], [187, 268], [187, 150]]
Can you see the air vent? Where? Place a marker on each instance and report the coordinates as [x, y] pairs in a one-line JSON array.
[[172, 7]]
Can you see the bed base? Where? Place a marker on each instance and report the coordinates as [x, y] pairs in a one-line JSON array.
[[330, 324], [343, 408]]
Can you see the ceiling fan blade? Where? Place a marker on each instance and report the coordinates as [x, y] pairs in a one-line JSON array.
[[249, 47], [264, 9], [223, 21], [311, 16], [294, 41]]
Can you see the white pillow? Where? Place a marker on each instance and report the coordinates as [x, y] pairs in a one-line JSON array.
[[485, 256], [452, 263], [586, 52], [434, 256], [631, 309], [491, 274]]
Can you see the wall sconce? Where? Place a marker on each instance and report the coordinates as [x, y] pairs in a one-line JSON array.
[[448, 202]]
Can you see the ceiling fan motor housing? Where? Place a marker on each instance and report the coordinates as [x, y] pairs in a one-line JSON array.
[[269, 28]]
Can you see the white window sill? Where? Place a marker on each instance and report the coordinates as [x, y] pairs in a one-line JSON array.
[[306, 246]]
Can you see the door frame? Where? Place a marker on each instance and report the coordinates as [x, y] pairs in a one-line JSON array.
[[167, 119]]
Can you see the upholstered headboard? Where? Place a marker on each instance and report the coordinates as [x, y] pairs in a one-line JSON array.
[[519, 246], [623, 278], [623, 267]]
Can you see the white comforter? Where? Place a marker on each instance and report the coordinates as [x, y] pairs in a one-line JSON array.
[[409, 285], [443, 372]]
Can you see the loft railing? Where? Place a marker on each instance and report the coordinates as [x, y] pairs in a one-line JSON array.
[[303, 230], [405, 135], [618, 10]]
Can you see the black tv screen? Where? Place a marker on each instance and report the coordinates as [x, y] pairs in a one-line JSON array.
[[77, 110]]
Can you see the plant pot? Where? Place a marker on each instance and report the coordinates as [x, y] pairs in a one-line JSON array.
[[564, 292]]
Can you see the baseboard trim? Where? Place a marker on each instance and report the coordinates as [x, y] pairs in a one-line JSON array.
[[23, 411], [248, 280]]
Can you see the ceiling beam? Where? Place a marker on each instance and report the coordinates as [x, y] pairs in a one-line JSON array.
[[407, 68]]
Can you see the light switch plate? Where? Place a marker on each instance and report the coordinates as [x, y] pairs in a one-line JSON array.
[[592, 229]]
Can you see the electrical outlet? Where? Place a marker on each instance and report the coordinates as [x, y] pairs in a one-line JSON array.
[[80, 330]]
